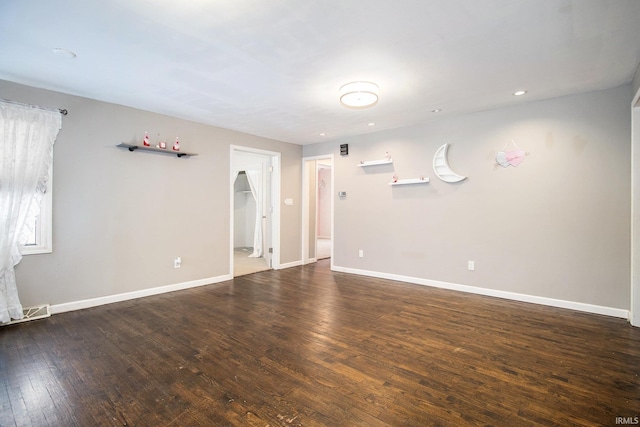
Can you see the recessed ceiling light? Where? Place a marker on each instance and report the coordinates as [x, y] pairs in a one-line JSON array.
[[323, 134], [359, 95], [519, 93], [437, 110], [371, 124], [64, 53]]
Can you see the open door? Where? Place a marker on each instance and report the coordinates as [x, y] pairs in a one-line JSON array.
[[254, 234], [317, 208]]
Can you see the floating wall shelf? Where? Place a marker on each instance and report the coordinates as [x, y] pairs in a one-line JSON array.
[[169, 151], [410, 181], [376, 162]]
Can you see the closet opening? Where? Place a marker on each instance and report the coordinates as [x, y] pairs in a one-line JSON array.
[[248, 252], [255, 231]]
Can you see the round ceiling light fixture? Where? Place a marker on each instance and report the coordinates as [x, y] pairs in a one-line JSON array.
[[359, 95]]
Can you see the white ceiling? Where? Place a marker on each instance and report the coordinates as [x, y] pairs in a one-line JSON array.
[[274, 67]]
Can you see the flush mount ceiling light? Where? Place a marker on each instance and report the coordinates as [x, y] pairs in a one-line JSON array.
[[359, 95], [519, 93]]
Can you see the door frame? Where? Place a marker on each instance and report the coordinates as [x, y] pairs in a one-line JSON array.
[[275, 158], [634, 303], [306, 214]]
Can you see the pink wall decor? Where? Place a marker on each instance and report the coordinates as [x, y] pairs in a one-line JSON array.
[[508, 158]]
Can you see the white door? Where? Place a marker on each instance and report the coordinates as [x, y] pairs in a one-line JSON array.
[[267, 210], [311, 189]]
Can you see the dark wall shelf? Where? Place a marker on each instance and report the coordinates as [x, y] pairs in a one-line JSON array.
[[169, 151]]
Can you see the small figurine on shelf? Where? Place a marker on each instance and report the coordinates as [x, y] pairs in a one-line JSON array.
[[176, 146], [395, 178], [162, 145], [387, 156], [145, 142]]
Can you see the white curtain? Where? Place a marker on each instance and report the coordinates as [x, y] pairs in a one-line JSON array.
[[255, 183], [27, 135]]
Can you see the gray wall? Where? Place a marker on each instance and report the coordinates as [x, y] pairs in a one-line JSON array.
[[120, 218], [557, 226]]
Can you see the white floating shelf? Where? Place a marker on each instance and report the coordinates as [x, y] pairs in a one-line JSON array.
[[376, 162], [410, 181]]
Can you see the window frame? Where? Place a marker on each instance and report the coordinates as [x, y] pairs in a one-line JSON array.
[[44, 225]]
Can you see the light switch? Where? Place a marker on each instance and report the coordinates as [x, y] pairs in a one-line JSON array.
[[288, 202]]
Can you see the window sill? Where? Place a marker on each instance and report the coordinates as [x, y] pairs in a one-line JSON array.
[[35, 250]]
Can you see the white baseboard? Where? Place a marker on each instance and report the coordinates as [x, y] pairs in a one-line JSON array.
[[290, 264], [572, 305], [109, 299]]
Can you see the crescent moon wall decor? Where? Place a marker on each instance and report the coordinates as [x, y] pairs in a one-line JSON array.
[[441, 166]]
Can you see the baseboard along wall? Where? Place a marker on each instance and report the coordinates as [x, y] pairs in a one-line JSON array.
[[572, 305], [109, 299]]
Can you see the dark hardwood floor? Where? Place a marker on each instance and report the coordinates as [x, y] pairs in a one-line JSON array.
[[309, 347]]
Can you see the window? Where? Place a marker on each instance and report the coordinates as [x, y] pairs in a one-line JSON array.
[[40, 240]]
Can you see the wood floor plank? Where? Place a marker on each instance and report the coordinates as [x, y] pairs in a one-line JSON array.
[[309, 347]]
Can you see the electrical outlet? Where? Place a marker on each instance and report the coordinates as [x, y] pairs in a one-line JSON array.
[[361, 253], [177, 263], [471, 265]]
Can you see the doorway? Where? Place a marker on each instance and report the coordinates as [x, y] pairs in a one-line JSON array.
[[254, 217], [317, 202]]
